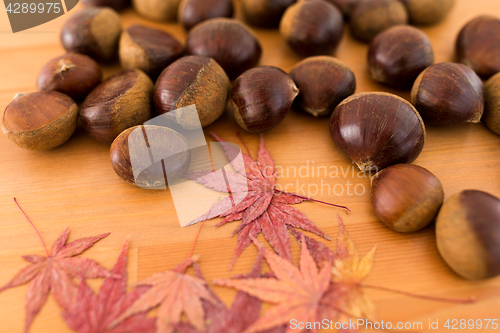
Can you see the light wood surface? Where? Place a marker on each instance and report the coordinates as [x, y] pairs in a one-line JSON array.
[[75, 185]]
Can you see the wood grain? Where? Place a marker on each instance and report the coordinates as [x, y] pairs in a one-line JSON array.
[[75, 185]]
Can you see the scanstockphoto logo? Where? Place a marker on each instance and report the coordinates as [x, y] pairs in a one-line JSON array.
[[26, 14], [159, 161]]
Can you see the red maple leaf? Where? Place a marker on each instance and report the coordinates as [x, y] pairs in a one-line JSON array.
[[175, 293], [297, 293], [55, 272], [92, 313], [221, 319], [260, 207]]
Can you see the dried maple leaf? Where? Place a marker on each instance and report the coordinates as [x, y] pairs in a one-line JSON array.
[[221, 319], [55, 272], [345, 298], [260, 207], [91, 313], [175, 293], [297, 293]]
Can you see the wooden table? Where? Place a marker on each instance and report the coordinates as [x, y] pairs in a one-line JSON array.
[[75, 185]]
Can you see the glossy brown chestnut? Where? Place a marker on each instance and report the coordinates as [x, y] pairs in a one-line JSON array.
[[468, 234], [131, 160], [491, 114], [227, 41], [192, 12], [447, 94], [157, 10], [41, 120], [478, 45], [261, 98], [312, 27], [120, 102], [193, 80], [323, 83], [148, 49], [377, 130], [264, 13], [426, 12], [406, 197], [94, 32], [345, 6], [115, 4], [371, 17], [72, 74], [398, 55]]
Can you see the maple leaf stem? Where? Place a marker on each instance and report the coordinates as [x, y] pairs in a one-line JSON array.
[[429, 298], [311, 199], [39, 236], [244, 143], [201, 226]]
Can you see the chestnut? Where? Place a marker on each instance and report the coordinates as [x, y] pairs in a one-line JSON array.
[[261, 98], [426, 12], [193, 80], [447, 94], [94, 32], [131, 161], [377, 130], [398, 55], [72, 74], [120, 102], [369, 18], [312, 27], [468, 234], [323, 83], [406, 197], [345, 6], [157, 10], [41, 120], [227, 41], [478, 45], [264, 13], [491, 114], [115, 4], [148, 49], [192, 12]]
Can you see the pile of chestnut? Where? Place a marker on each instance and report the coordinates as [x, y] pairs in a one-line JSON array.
[[219, 64]]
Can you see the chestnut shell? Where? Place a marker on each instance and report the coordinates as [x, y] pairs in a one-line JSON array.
[[193, 80], [377, 130], [323, 83], [369, 18], [313, 27], [261, 98], [406, 197], [72, 74], [264, 13], [115, 4], [41, 120], [94, 32], [150, 50], [227, 41], [138, 141], [398, 55], [491, 115], [478, 45], [447, 94], [468, 234], [119, 102], [192, 12]]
